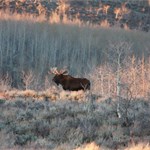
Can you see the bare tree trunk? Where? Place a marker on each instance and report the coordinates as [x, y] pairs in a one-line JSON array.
[[134, 76], [118, 75], [102, 83], [143, 76], [109, 85]]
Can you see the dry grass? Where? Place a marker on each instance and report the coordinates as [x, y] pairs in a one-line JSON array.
[[44, 95], [21, 17], [90, 146], [140, 146], [64, 147]]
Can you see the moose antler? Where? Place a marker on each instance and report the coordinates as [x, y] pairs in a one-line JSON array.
[[54, 70]]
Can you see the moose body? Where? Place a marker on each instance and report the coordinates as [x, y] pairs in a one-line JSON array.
[[70, 83]]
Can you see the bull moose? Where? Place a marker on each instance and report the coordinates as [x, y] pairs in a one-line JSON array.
[[68, 82]]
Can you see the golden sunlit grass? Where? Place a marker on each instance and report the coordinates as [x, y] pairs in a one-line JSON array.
[[94, 146], [6, 15], [63, 147], [140, 146], [57, 16], [90, 146], [2, 96], [42, 95], [105, 24]]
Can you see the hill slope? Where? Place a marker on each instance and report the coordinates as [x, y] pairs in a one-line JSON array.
[[131, 14]]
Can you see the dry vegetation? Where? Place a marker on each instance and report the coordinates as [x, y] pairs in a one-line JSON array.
[[35, 114], [65, 124], [127, 14], [29, 49]]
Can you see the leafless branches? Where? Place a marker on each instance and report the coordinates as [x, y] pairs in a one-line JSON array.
[[28, 78], [5, 82]]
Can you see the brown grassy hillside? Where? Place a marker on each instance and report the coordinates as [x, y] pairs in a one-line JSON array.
[[125, 14]]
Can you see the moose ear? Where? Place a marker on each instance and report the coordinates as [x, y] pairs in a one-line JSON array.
[[65, 72]]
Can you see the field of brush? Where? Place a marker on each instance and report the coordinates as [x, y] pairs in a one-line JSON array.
[[35, 114], [65, 124]]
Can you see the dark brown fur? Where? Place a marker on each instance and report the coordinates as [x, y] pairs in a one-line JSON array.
[[70, 83]]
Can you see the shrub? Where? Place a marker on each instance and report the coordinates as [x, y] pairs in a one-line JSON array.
[[41, 128], [20, 104], [2, 101], [24, 115], [2, 126], [24, 139]]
